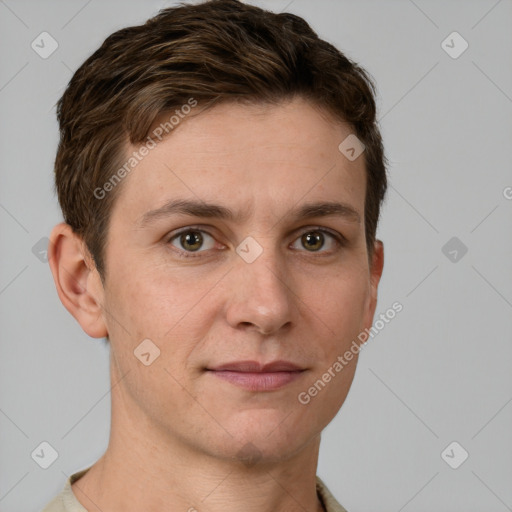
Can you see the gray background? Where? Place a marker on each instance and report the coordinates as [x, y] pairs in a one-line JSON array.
[[439, 372]]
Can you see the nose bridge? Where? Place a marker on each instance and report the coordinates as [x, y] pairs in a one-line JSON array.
[[260, 293]]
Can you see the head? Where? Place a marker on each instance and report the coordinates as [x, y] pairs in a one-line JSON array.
[[209, 210]]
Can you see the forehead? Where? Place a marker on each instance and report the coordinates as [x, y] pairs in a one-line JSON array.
[[248, 156]]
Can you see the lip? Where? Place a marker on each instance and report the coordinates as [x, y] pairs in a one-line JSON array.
[[254, 376], [256, 367]]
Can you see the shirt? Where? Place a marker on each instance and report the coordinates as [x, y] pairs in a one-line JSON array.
[[66, 501]]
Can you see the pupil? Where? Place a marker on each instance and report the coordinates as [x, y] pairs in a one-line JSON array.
[[313, 240], [192, 240]]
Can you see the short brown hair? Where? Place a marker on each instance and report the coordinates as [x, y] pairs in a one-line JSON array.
[[218, 50]]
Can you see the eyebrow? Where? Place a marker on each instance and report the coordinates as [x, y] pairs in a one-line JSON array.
[[209, 210]]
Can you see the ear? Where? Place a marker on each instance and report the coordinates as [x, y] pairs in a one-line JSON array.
[[77, 281], [376, 268]]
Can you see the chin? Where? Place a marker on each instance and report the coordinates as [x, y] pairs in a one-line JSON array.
[[266, 437]]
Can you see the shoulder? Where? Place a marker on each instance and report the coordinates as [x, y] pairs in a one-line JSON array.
[[329, 501], [66, 501], [56, 505]]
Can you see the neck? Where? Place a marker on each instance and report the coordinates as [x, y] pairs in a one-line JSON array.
[[146, 469]]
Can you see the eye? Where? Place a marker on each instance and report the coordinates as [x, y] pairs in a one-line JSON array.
[[192, 240], [318, 239]]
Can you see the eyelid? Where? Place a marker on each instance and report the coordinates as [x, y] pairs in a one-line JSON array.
[[185, 229], [187, 254], [338, 238], [323, 229]]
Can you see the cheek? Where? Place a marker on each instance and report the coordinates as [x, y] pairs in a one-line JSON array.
[[175, 311], [339, 300], [155, 302], [340, 306]]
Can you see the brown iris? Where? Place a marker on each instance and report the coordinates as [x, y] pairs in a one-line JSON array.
[[191, 240], [313, 240]]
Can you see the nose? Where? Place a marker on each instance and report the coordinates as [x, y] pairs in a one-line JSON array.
[[260, 295]]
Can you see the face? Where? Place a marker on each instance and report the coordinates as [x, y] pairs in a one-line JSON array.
[[237, 246]]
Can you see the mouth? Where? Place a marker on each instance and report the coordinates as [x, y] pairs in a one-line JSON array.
[[254, 376]]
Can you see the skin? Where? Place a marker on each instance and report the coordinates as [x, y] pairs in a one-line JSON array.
[[180, 436]]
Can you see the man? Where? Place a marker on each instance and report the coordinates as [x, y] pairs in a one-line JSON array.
[[220, 173]]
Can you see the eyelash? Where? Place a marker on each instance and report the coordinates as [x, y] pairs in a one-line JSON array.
[[338, 238]]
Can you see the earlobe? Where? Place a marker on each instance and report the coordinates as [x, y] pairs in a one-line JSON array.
[[77, 280]]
